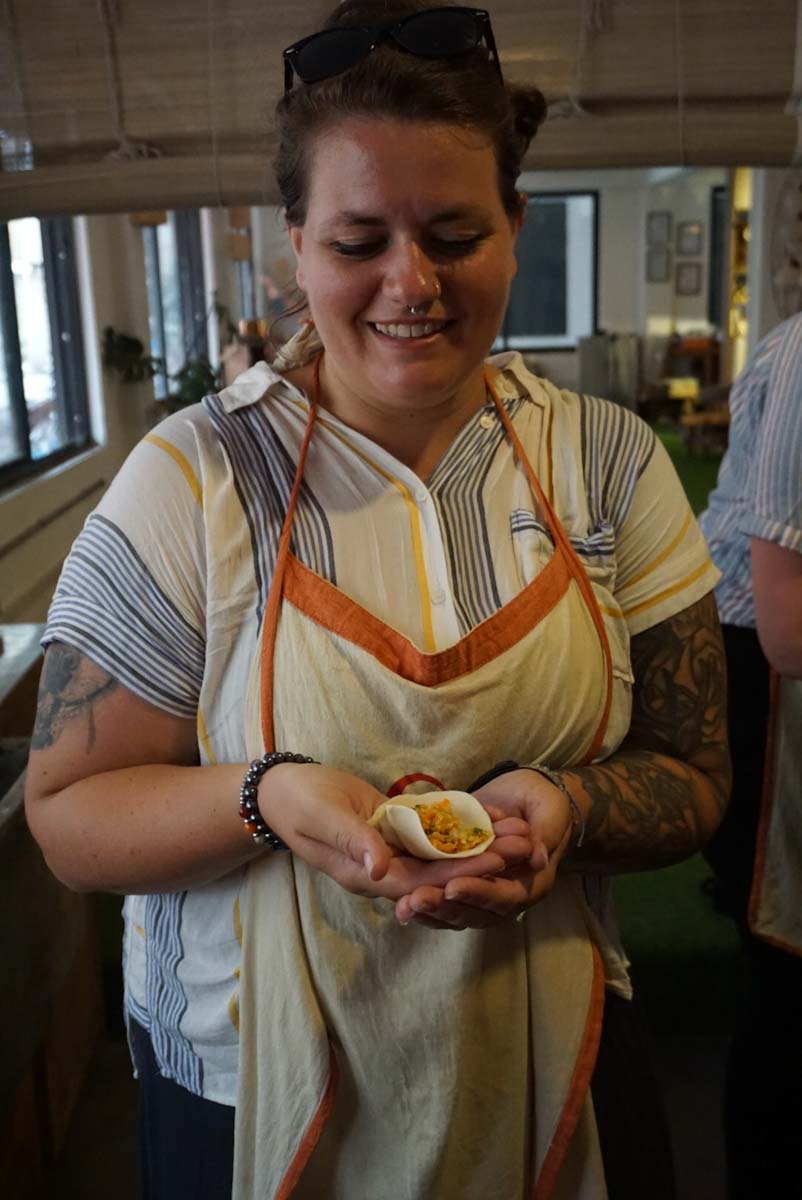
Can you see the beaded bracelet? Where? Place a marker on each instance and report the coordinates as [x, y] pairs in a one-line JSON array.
[[577, 816], [255, 823]]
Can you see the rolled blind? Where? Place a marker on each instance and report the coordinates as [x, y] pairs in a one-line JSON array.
[[109, 105]]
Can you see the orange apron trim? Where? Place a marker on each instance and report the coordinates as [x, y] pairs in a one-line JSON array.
[[766, 807], [312, 1135], [574, 565], [578, 1088], [331, 608]]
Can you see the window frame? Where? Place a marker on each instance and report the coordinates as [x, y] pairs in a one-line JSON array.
[[502, 341], [191, 292], [67, 341]]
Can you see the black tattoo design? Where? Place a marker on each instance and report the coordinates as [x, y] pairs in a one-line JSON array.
[[649, 803], [69, 688]]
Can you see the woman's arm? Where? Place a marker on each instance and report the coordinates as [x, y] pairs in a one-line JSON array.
[[662, 794], [777, 588], [117, 802]]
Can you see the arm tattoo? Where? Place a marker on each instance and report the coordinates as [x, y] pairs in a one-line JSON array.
[[69, 687], [652, 801]]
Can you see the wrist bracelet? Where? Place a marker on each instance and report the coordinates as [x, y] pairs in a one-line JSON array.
[[577, 816], [255, 823]]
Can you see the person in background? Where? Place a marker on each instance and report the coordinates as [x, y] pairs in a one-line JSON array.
[[753, 526], [416, 566]]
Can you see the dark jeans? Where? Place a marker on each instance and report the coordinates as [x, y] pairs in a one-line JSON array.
[[764, 1064], [187, 1144]]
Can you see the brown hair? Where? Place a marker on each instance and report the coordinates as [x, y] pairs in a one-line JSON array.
[[393, 84]]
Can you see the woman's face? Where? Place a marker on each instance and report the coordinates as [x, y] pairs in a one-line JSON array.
[[404, 215]]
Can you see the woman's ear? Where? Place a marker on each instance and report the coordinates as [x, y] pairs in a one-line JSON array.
[[296, 236]]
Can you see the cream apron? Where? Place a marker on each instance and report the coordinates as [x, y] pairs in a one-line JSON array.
[[387, 1063], [775, 905]]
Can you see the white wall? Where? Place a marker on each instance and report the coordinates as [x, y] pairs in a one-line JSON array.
[[685, 194], [40, 519], [761, 309]]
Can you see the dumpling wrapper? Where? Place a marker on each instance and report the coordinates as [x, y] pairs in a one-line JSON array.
[[400, 826]]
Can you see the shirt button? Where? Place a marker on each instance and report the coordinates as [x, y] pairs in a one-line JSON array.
[[487, 420], [422, 496], [438, 596]]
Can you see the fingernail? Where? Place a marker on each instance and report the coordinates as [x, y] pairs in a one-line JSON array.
[[368, 861], [402, 922]]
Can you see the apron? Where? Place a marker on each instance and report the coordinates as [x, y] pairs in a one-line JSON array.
[[387, 1063], [775, 903]]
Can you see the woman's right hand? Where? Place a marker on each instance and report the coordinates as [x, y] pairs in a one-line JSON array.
[[322, 814]]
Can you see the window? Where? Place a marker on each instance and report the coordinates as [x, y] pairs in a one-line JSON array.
[[553, 296], [43, 401], [176, 294]]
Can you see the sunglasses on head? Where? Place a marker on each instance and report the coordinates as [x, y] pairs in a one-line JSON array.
[[432, 33]]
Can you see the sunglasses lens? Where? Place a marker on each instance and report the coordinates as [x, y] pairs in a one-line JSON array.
[[330, 52], [439, 34]]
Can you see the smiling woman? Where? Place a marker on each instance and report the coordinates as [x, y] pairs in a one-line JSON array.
[[419, 567]]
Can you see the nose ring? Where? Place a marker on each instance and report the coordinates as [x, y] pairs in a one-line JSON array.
[[416, 310]]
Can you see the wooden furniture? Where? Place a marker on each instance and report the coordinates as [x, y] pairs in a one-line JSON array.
[[50, 999]]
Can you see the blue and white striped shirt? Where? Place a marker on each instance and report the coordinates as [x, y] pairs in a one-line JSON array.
[[166, 585], [759, 488]]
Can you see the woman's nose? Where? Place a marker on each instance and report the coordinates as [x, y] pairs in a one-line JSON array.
[[411, 278]]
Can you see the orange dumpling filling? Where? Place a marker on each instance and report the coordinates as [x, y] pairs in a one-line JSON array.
[[445, 831]]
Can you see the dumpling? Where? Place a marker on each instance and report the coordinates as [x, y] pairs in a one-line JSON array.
[[435, 825]]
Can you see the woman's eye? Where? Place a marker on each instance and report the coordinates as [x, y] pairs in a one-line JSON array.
[[357, 249], [457, 246]]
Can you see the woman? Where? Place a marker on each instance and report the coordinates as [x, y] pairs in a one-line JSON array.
[[418, 569]]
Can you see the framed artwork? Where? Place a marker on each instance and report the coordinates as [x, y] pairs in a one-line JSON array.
[[689, 279], [658, 228], [658, 265], [689, 238]]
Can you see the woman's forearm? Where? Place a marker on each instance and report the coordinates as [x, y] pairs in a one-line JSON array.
[[643, 810], [141, 829]]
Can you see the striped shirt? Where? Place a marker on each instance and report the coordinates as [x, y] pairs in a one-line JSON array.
[[759, 488], [166, 585]]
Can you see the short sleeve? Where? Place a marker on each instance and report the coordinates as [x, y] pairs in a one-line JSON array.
[[131, 595], [773, 505], [663, 563]]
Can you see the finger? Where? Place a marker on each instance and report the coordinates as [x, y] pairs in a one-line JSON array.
[[513, 849], [416, 872], [500, 896], [511, 827]]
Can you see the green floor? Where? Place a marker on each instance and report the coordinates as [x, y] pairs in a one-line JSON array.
[[685, 961]]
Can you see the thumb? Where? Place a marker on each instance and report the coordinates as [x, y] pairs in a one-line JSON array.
[[372, 851]]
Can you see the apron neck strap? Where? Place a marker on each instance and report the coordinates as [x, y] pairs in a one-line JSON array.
[[273, 606]]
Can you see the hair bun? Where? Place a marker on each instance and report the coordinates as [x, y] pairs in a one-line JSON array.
[[529, 111]]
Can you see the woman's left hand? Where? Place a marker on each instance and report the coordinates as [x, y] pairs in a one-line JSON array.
[[473, 902]]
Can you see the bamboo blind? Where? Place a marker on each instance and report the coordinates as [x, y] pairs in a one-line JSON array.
[[109, 105]]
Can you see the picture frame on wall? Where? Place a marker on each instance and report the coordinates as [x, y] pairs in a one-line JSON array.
[[658, 228], [688, 279], [658, 265], [689, 238]]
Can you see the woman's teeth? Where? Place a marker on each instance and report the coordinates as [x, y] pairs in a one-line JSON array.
[[409, 331]]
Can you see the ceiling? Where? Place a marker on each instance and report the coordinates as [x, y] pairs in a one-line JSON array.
[[699, 82]]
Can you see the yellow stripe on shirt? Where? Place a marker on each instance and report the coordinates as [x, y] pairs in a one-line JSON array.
[[184, 466], [662, 556], [670, 591], [203, 738]]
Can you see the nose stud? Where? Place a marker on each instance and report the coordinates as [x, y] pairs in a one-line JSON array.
[[415, 310]]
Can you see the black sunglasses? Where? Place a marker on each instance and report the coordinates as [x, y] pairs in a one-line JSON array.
[[432, 33]]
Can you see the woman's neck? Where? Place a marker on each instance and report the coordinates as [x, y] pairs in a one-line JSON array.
[[418, 437]]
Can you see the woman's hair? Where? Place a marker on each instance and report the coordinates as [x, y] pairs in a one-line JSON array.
[[391, 83]]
